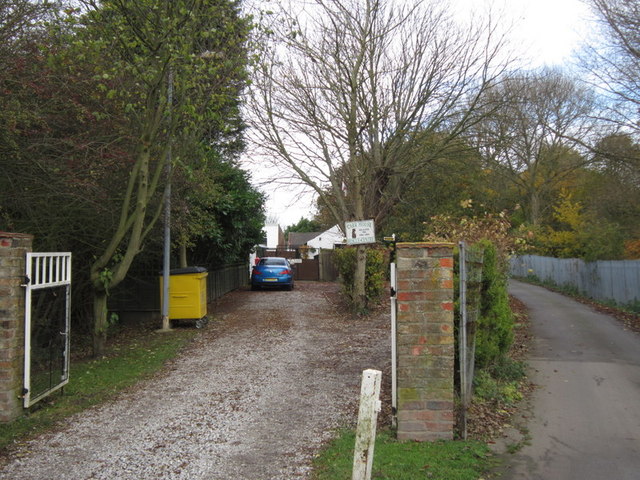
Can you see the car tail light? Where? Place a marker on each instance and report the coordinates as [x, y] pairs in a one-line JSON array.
[[257, 272], [286, 272]]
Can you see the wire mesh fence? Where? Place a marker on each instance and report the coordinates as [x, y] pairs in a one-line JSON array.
[[140, 292]]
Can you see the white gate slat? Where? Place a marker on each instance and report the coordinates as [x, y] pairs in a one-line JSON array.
[[45, 270]]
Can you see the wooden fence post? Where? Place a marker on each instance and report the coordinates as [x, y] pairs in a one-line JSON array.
[[367, 422]]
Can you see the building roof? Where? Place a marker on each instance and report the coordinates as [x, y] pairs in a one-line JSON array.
[[297, 239]]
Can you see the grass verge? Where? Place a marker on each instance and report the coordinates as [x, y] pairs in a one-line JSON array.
[[394, 460], [95, 381]]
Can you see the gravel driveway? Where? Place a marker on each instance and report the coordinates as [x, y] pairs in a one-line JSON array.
[[254, 397]]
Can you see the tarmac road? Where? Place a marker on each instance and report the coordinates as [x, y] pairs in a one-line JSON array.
[[586, 409]]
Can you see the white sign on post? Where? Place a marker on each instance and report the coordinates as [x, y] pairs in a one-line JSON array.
[[360, 232]]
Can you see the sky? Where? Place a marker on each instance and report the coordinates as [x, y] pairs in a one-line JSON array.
[[547, 31]]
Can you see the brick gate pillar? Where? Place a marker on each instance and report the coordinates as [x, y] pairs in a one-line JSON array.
[[13, 249], [425, 341]]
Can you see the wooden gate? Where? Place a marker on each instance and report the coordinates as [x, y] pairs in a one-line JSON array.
[[319, 268], [307, 270]]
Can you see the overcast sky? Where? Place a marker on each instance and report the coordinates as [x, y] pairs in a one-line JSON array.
[[547, 32]]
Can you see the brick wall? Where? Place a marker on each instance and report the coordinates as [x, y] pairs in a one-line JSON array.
[[425, 341], [13, 249]]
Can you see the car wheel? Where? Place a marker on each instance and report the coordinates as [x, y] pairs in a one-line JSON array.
[[255, 287]]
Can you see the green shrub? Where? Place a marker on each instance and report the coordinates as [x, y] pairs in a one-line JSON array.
[[508, 370], [375, 274], [491, 389], [485, 386], [495, 324], [633, 307], [497, 376]]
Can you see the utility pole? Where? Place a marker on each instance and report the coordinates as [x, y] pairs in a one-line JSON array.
[[166, 262]]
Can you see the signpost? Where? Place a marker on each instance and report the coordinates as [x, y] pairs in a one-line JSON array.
[[360, 232]]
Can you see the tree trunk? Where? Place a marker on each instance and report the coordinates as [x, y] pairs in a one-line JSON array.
[[100, 322], [359, 279], [534, 199], [183, 256]]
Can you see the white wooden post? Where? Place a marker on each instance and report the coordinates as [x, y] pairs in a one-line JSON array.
[[367, 422]]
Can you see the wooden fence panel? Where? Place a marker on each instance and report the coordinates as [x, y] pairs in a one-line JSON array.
[[328, 270], [309, 269]]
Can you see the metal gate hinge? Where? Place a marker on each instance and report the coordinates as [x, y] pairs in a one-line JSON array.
[[27, 281]]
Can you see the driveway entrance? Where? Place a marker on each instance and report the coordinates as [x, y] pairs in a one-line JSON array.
[[254, 397]]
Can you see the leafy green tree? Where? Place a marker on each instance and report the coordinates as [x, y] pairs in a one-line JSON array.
[[304, 225], [376, 272], [196, 49], [62, 147], [148, 48], [455, 184], [579, 234], [220, 213], [611, 189], [90, 123]]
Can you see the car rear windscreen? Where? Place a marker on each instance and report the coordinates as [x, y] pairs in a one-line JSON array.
[[273, 261]]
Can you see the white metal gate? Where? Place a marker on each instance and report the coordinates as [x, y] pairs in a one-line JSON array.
[[47, 322]]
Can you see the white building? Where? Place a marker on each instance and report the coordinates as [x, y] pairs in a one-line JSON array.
[[312, 242], [328, 239], [275, 235]]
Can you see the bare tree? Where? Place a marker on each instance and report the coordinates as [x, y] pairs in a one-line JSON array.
[[533, 135], [347, 90], [614, 61]]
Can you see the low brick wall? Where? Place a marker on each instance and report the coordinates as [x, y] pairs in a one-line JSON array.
[[13, 250], [425, 341]]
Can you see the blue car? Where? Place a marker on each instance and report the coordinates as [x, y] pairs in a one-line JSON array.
[[272, 272]]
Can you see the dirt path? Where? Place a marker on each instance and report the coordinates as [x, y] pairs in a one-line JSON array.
[[253, 398]]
